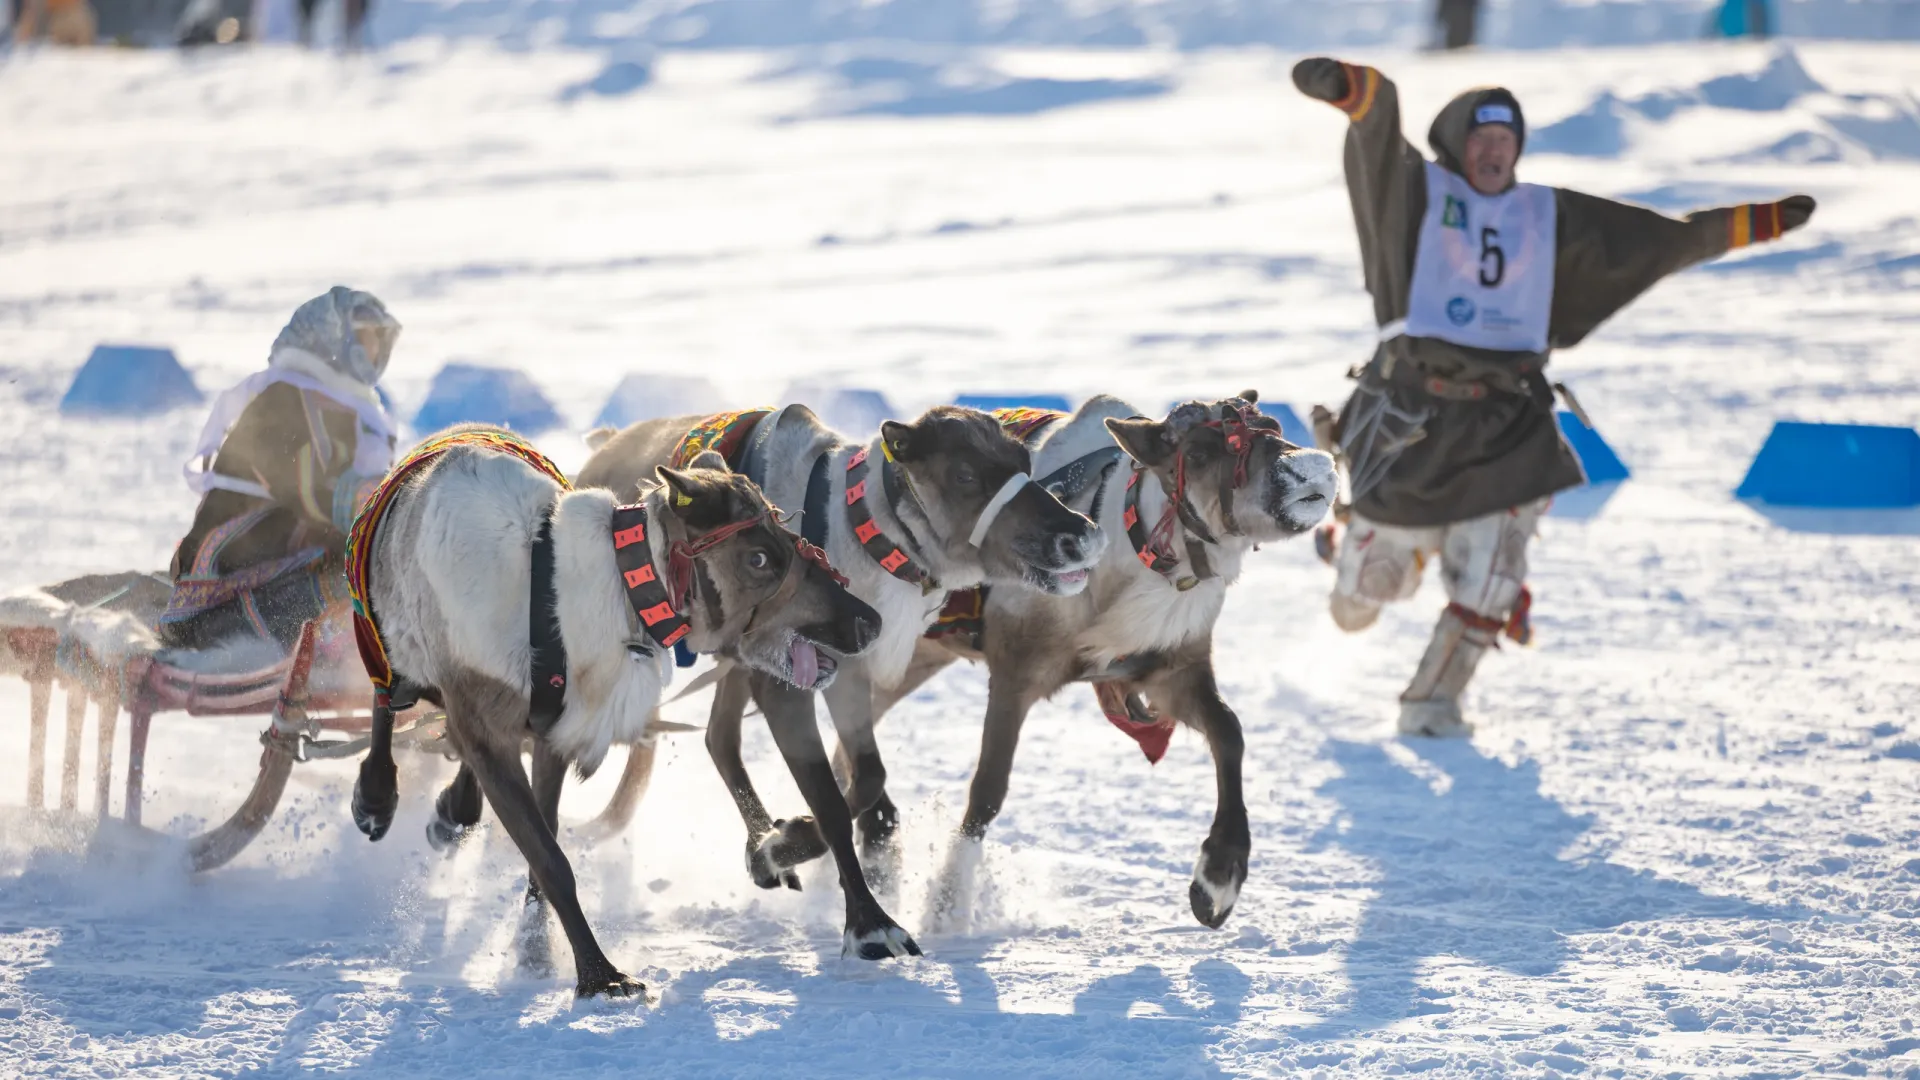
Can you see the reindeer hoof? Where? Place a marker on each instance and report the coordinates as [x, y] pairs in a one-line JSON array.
[[376, 797], [771, 858], [882, 942], [446, 836], [1212, 902], [612, 984]]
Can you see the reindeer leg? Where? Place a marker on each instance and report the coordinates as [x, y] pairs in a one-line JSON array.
[[878, 823], [455, 812], [536, 948], [850, 703], [505, 785], [376, 794], [1008, 702], [1188, 692], [774, 848], [634, 779], [871, 933]]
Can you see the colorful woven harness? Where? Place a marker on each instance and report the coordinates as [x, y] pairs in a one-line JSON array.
[[1025, 422], [366, 628], [724, 433]]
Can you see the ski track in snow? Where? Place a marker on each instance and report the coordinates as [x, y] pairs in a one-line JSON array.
[[1682, 843]]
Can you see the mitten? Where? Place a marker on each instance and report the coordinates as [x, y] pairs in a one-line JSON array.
[[1347, 87], [1756, 223], [1321, 77]]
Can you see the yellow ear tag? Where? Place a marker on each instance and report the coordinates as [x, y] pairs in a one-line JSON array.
[[886, 449], [682, 500]]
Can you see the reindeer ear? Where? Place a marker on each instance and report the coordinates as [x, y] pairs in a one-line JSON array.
[[1251, 397], [1145, 441], [709, 459], [685, 490], [900, 439]]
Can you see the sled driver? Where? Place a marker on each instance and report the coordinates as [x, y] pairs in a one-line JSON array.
[[281, 466], [1449, 440]]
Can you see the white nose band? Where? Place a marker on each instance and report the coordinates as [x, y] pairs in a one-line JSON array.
[[1000, 500]]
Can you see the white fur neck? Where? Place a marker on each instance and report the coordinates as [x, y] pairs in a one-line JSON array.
[[616, 672]]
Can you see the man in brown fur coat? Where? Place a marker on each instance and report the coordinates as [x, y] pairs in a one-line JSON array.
[[281, 466], [1450, 441]]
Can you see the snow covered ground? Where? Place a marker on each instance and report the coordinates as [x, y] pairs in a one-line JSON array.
[[1683, 842]]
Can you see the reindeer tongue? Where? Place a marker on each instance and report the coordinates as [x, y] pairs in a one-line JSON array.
[[806, 663]]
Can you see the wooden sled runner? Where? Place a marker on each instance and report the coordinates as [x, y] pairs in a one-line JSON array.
[[144, 683]]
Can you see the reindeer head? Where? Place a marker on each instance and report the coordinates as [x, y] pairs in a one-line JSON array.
[[749, 587], [1228, 472], [988, 521]]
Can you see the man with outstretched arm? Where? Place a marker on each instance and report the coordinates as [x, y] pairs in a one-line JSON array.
[[1449, 439]]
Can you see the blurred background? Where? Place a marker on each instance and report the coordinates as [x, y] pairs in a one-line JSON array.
[[1125, 23]]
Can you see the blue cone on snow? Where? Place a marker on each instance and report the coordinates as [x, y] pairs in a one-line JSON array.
[[850, 410], [472, 394], [1605, 471], [990, 402], [129, 380], [647, 396], [1836, 466], [1292, 428]]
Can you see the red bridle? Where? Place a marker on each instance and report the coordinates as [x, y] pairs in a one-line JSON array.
[[681, 553], [1243, 428]]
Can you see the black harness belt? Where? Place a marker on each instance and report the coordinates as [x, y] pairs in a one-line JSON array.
[[549, 697]]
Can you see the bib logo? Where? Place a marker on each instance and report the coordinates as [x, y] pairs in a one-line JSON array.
[[1453, 215], [1460, 311]]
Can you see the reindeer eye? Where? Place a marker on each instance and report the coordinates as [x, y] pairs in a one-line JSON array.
[[758, 560], [963, 474]]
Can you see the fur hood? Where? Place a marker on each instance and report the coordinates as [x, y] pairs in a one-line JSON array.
[[1448, 135], [324, 329]]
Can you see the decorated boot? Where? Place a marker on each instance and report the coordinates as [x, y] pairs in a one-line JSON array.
[[1430, 706]]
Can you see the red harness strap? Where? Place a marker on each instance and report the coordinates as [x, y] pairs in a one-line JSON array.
[[866, 530], [659, 604]]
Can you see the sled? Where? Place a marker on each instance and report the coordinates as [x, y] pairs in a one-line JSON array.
[[148, 683]]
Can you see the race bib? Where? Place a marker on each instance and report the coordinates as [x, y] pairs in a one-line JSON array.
[[1483, 272]]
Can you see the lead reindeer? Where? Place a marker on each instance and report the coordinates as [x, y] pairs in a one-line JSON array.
[[943, 502], [530, 612], [1206, 486]]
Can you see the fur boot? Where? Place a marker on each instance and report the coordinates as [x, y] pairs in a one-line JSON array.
[[1431, 703]]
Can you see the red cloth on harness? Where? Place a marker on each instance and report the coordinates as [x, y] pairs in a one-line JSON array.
[[1153, 736]]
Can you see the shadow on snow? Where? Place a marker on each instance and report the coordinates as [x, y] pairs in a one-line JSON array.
[[1471, 866]]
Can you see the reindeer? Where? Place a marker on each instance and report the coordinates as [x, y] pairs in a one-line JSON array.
[[530, 612], [1206, 486], [944, 502]]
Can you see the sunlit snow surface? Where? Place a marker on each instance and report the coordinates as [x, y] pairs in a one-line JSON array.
[[1683, 842]]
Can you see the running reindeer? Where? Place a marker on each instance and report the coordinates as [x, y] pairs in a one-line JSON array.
[[941, 503], [526, 610], [1206, 486]]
